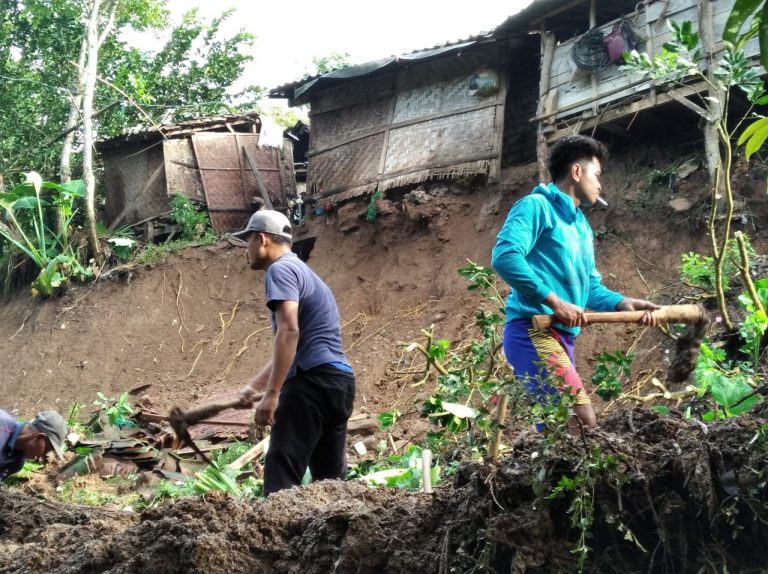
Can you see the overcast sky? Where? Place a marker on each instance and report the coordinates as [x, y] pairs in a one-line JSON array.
[[290, 33]]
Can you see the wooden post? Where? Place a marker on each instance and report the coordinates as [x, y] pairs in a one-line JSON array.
[[711, 137], [248, 200], [499, 111], [547, 54], [396, 83], [593, 75], [501, 416], [426, 470]]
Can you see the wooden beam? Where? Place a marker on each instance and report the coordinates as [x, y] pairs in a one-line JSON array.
[[398, 79], [624, 110], [690, 105], [259, 179], [548, 42], [498, 126]]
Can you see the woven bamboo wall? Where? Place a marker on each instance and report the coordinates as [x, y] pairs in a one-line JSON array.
[[439, 86], [351, 93], [181, 173], [229, 183], [439, 141], [135, 181], [346, 166], [337, 125], [434, 127]]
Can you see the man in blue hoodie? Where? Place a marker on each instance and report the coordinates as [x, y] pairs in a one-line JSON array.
[[545, 253]]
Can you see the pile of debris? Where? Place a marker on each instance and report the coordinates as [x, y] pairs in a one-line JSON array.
[[146, 445]]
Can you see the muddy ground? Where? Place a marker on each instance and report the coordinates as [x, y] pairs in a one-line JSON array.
[[196, 325], [684, 498]]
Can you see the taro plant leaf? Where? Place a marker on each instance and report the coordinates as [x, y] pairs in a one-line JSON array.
[[727, 392]]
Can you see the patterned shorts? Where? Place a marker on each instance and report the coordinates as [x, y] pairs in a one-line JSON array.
[[533, 354]]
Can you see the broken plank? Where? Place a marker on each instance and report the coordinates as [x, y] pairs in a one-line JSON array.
[[250, 455], [362, 426], [259, 180]]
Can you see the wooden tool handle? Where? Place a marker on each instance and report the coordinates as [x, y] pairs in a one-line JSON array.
[[206, 410], [668, 314]]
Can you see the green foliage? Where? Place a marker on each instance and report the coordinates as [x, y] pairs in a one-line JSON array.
[[396, 471], [481, 279], [40, 40], [469, 379], [741, 12], [372, 212], [753, 137], [611, 371], [26, 473], [118, 411], [193, 222], [699, 270], [331, 62], [388, 419], [286, 118], [581, 488], [726, 384], [32, 211], [123, 247], [755, 323]]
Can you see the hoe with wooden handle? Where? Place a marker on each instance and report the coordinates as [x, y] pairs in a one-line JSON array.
[[181, 420], [688, 314]]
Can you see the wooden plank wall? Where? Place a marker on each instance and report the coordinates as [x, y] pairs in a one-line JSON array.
[[574, 88]]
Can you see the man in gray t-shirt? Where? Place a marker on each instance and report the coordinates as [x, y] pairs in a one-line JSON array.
[[309, 385]]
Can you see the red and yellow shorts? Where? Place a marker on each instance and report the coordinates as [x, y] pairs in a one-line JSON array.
[[539, 356]]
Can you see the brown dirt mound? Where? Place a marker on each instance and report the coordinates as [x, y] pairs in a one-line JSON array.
[[693, 499]]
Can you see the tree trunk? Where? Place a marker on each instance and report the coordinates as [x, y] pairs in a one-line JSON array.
[[76, 102], [93, 41], [89, 87]]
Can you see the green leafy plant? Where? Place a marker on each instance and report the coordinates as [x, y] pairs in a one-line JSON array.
[[729, 385], [123, 247], [755, 324], [681, 59], [388, 419], [372, 213], [118, 411], [397, 471], [193, 222], [470, 380], [30, 209], [581, 488], [699, 270], [611, 371]]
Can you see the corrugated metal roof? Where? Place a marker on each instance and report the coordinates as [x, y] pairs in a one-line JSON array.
[[185, 127], [559, 15]]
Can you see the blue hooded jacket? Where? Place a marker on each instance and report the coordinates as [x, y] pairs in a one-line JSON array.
[[545, 245]]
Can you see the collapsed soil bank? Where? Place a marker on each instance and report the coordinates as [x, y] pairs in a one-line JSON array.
[[693, 497]]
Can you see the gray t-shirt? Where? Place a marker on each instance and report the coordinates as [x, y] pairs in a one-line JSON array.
[[290, 279]]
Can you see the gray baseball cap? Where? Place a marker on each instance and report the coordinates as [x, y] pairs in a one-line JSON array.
[[266, 221], [52, 424]]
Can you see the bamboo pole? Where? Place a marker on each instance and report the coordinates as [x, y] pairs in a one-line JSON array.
[[739, 236]]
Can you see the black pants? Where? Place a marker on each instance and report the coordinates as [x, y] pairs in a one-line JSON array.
[[310, 428]]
